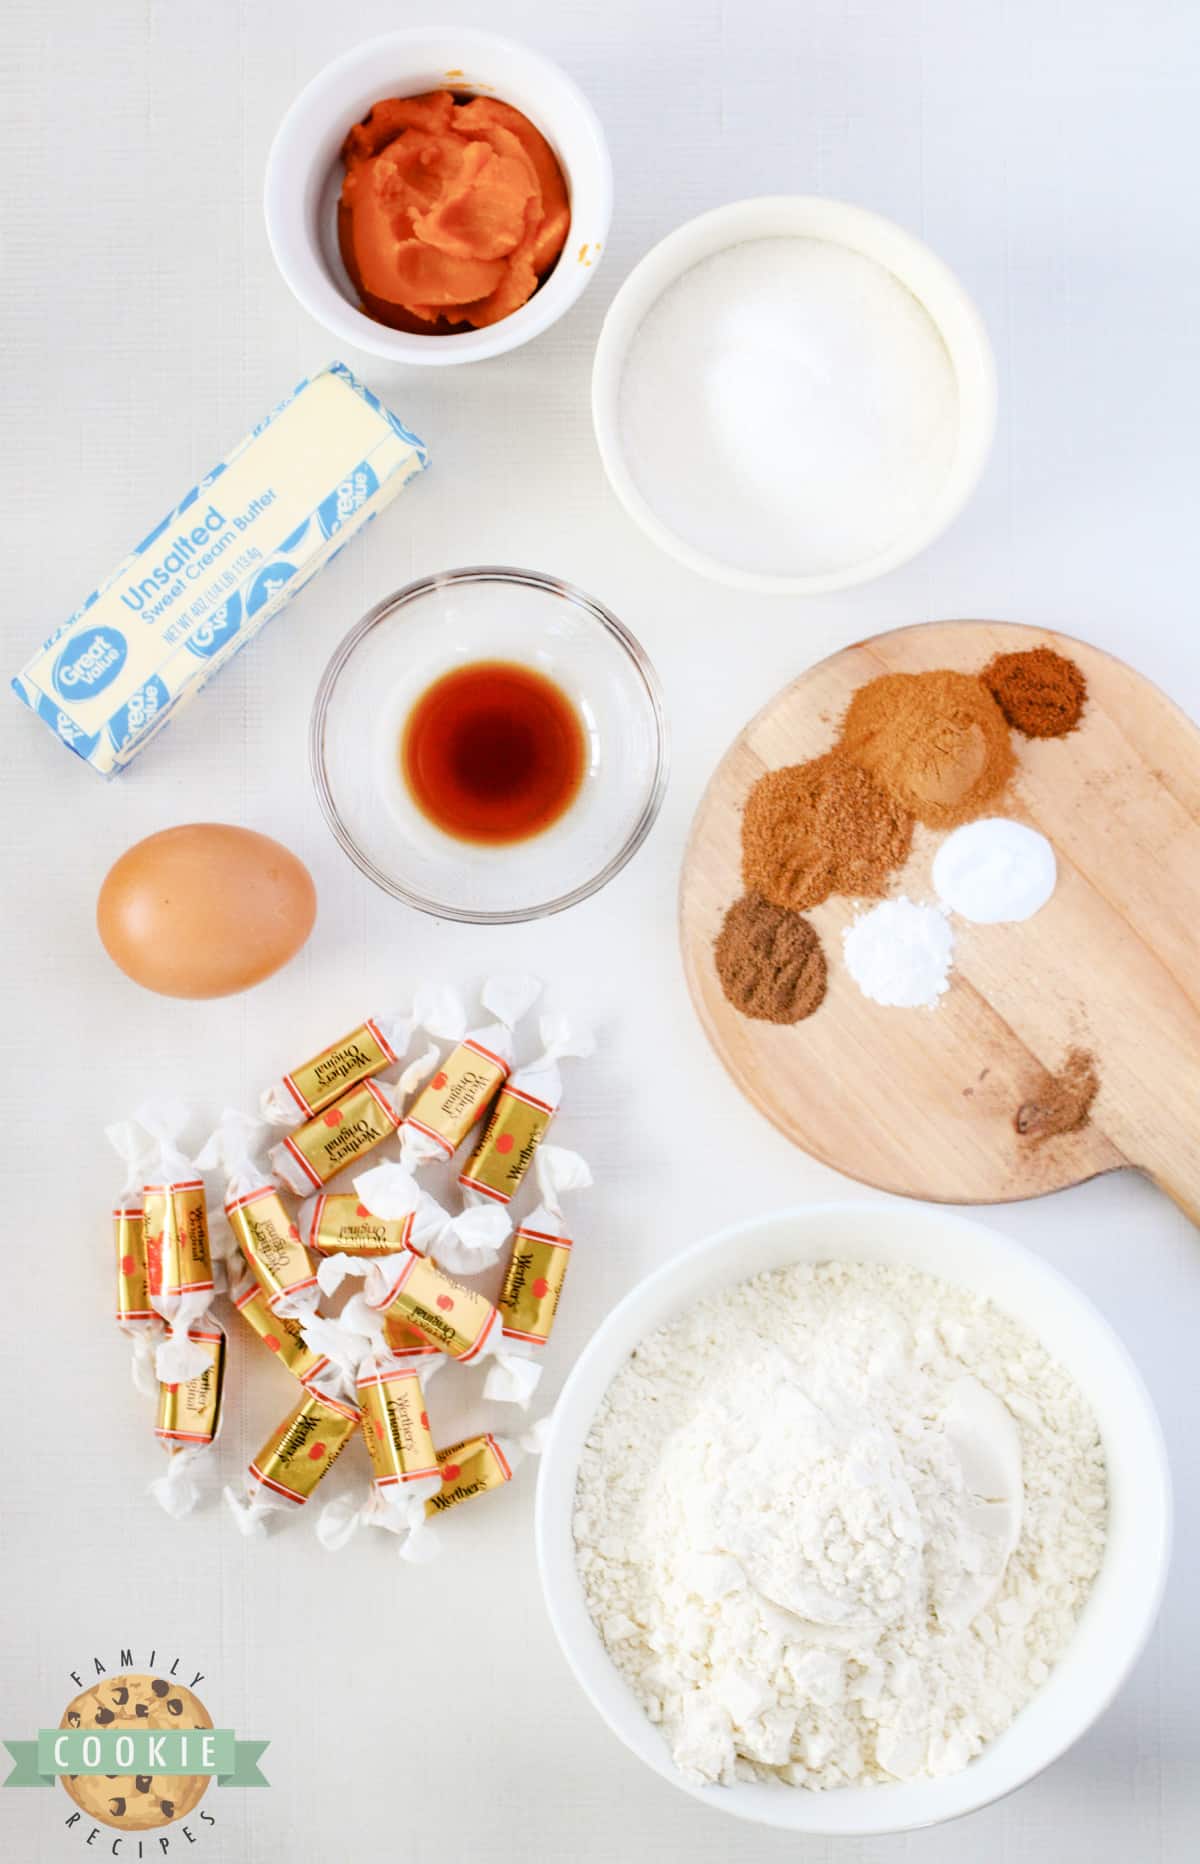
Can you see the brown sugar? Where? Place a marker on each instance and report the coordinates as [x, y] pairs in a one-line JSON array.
[[938, 742], [1040, 693], [770, 962], [1062, 1102], [818, 828]]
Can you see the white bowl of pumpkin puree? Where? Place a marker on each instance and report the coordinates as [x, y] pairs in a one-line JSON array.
[[438, 195]]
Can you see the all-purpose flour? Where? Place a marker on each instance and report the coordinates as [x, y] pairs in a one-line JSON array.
[[836, 1525]]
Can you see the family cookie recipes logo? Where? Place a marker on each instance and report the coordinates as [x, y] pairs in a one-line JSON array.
[[137, 1751]]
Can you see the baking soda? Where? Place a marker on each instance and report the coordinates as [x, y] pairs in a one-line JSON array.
[[994, 872], [788, 406]]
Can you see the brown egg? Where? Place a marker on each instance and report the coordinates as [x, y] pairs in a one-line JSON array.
[[205, 910]]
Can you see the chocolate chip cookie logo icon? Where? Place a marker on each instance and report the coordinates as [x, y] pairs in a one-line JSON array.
[[141, 1801], [137, 1751]]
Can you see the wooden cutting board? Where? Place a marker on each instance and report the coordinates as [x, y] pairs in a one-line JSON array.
[[923, 1102]]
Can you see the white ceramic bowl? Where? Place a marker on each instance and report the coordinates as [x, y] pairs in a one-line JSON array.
[[1124, 1601], [304, 177], [807, 216]]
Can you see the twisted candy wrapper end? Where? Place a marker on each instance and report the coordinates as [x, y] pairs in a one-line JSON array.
[[144, 1343], [344, 1345], [509, 995], [561, 1038], [164, 1120], [341, 1518], [558, 1169], [512, 1379], [135, 1148], [472, 1241], [179, 1359], [251, 1512], [441, 1012], [177, 1491], [389, 1191], [233, 1144], [417, 1073]]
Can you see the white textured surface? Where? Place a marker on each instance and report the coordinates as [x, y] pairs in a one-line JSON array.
[[1047, 152]]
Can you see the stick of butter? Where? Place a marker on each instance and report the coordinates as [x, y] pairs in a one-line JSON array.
[[230, 554]]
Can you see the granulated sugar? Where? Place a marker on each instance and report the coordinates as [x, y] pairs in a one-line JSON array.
[[789, 406], [836, 1524]]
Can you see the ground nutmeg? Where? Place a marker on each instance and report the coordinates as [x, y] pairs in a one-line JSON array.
[[770, 961]]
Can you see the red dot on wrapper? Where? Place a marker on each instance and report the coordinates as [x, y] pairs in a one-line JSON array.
[[333, 1117], [541, 1287], [445, 1303], [505, 1143], [440, 1078], [127, 1265], [361, 1211], [293, 1232], [269, 1339], [425, 1420], [316, 1453], [450, 1472]]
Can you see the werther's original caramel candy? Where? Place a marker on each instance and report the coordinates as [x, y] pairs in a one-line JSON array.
[[175, 1220], [541, 1253], [302, 1449], [520, 1114], [412, 1290], [371, 1049], [136, 1316], [262, 1225], [476, 1466], [339, 1223], [279, 1333], [396, 1425], [466, 1243], [462, 1088], [189, 1417], [340, 1136]]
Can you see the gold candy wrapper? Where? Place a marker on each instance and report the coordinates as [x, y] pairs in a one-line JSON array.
[[366, 1051], [271, 1244], [457, 1095], [515, 1129], [468, 1469], [280, 1334], [339, 1223], [304, 1447], [189, 1414], [459, 1321], [344, 1133], [396, 1426], [537, 1269], [175, 1221], [133, 1281]]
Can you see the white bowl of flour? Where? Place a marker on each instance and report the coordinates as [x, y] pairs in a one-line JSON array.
[[793, 394], [853, 1518]]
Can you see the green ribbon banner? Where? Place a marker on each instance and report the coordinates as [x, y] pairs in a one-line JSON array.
[[213, 1751]]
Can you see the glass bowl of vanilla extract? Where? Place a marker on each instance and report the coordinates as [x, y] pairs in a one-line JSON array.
[[489, 745]]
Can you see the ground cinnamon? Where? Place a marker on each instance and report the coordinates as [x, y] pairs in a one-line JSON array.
[[1062, 1102], [770, 962], [1040, 693], [938, 742], [818, 828]]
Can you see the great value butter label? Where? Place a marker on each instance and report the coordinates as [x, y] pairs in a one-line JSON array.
[[202, 583]]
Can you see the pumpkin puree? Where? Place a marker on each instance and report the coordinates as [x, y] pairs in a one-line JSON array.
[[451, 212]]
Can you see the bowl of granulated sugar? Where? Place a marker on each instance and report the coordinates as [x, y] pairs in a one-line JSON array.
[[793, 395]]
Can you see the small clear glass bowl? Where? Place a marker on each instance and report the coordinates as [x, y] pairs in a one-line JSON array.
[[447, 621]]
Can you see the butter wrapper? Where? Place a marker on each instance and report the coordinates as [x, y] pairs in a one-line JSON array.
[[203, 582]]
